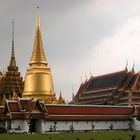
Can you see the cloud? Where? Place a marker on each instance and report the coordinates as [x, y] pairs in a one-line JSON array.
[[79, 37], [109, 55], [112, 52]]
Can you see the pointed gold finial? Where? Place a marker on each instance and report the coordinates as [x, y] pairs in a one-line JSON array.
[[38, 18], [38, 55]]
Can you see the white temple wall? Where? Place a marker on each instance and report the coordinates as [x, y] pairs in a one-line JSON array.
[[136, 124], [42, 126], [108, 125], [22, 124], [84, 125]]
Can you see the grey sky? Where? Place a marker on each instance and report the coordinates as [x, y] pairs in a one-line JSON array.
[[79, 36]]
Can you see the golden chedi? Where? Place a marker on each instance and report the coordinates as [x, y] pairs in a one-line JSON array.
[[38, 79]]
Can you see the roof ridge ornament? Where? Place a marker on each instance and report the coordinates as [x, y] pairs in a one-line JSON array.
[[126, 69], [91, 75], [81, 80], [133, 68], [86, 79]]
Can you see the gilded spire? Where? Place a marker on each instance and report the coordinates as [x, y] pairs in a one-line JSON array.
[[38, 55], [12, 61]]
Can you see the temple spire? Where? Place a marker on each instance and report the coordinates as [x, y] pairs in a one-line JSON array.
[[38, 18], [38, 55], [12, 61]]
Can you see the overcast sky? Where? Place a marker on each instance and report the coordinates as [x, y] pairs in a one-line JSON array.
[[80, 37]]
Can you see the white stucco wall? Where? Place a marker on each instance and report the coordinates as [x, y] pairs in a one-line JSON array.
[[136, 124], [23, 124], [42, 126], [84, 125]]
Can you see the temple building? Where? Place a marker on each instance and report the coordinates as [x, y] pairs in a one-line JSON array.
[[119, 88], [32, 115], [106, 102], [11, 81], [38, 79]]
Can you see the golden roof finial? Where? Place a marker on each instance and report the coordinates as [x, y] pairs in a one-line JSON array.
[[126, 65], [38, 18], [133, 67], [38, 55], [72, 92]]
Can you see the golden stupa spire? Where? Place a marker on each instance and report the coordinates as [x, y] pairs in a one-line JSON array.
[[13, 60], [38, 55]]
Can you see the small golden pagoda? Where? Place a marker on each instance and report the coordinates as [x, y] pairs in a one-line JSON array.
[[11, 79], [38, 79], [61, 99]]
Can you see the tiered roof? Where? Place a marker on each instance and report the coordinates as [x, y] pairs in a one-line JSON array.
[[34, 109], [88, 112], [115, 88], [23, 109]]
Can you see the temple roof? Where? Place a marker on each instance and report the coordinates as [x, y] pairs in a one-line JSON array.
[[39, 110], [88, 112], [106, 89], [106, 81]]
